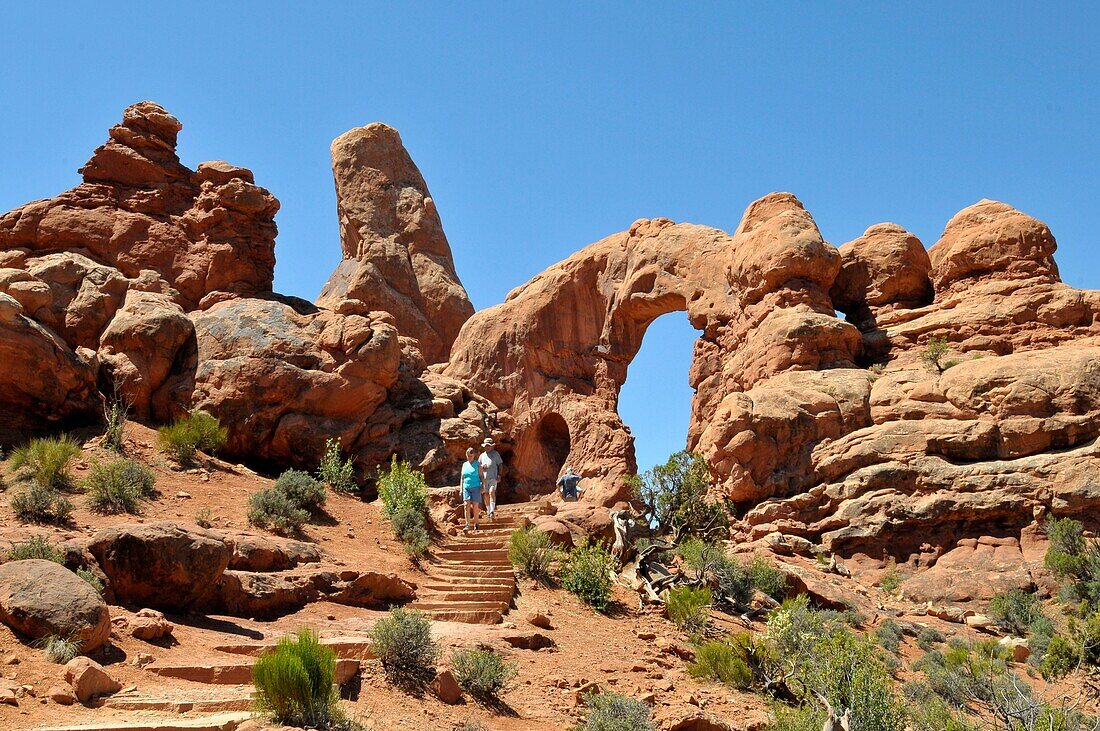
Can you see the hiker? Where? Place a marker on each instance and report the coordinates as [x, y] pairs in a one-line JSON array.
[[491, 464], [569, 486], [471, 488]]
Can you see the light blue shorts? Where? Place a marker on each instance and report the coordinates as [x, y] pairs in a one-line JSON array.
[[471, 494]]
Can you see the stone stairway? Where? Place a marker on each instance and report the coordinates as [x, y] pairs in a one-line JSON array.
[[469, 576]]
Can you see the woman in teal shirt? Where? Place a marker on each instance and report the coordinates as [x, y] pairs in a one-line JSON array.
[[471, 488]]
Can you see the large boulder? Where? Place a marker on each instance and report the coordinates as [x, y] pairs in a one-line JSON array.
[[160, 565], [41, 598]]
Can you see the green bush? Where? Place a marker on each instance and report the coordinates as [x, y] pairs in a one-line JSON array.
[[41, 504], [404, 495], [34, 547], [271, 509], [615, 712], [935, 357], [197, 430], [928, 638], [531, 553], [45, 461], [59, 649], [674, 496], [1062, 657], [335, 470], [115, 410], [294, 682], [1015, 611], [301, 489], [483, 673], [891, 580], [92, 579], [687, 608], [1069, 556], [729, 578], [719, 660], [119, 486], [587, 572], [768, 579], [403, 642], [888, 635]]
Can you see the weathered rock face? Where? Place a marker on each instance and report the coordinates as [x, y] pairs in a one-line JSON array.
[[41, 598], [396, 256]]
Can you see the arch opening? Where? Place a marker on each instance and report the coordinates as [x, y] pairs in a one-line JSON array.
[[540, 456], [655, 400]]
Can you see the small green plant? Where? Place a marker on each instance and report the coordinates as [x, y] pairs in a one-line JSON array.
[[34, 547], [1062, 658], [335, 470], [294, 682], [928, 638], [587, 572], [198, 430], [59, 649], [719, 660], [204, 518], [403, 642], [888, 635], [119, 486], [115, 410], [1015, 611], [531, 553], [1072, 557], [301, 489], [40, 504], [935, 354], [891, 580], [483, 673], [92, 579], [687, 608], [674, 496], [616, 712], [271, 509], [45, 461], [404, 495], [767, 578]]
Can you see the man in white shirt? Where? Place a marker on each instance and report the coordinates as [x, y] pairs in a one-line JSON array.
[[491, 464]]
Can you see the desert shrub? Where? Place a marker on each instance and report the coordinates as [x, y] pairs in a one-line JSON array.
[[40, 504], [586, 572], [294, 682], [301, 489], [483, 673], [197, 430], [731, 581], [403, 642], [1039, 634], [404, 495], [335, 470], [270, 508], [1070, 556], [935, 354], [92, 579], [615, 712], [687, 608], [34, 547], [115, 410], [204, 518], [719, 660], [45, 461], [891, 580], [765, 577], [59, 649], [119, 486], [888, 635], [531, 553], [1061, 658], [1015, 611], [674, 496], [471, 726], [928, 638]]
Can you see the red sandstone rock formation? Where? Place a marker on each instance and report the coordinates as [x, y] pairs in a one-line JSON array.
[[396, 256]]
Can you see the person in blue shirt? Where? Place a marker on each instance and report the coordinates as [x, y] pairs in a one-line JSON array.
[[569, 485], [471, 488]]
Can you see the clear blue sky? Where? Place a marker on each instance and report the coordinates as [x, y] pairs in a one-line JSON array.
[[541, 129]]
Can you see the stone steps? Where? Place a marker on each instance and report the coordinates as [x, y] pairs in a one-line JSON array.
[[350, 647], [216, 722], [236, 672], [233, 698]]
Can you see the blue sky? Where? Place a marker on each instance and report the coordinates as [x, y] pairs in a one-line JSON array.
[[541, 128]]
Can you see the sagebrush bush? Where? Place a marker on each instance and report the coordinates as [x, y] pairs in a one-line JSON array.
[[271, 509], [719, 660], [40, 504], [531, 553], [34, 547], [198, 430], [888, 635], [587, 571], [1015, 611], [294, 682], [119, 486], [404, 495], [403, 642], [616, 712], [59, 649], [335, 470], [767, 578], [1062, 657], [928, 638], [115, 410], [45, 461], [891, 580], [1070, 556], [483, 673], [301, 489], [95, 582], [687, 608]]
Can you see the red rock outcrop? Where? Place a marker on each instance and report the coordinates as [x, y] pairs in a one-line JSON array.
[[396, 256]]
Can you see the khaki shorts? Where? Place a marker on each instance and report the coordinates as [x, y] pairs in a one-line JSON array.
[[490, 485]]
